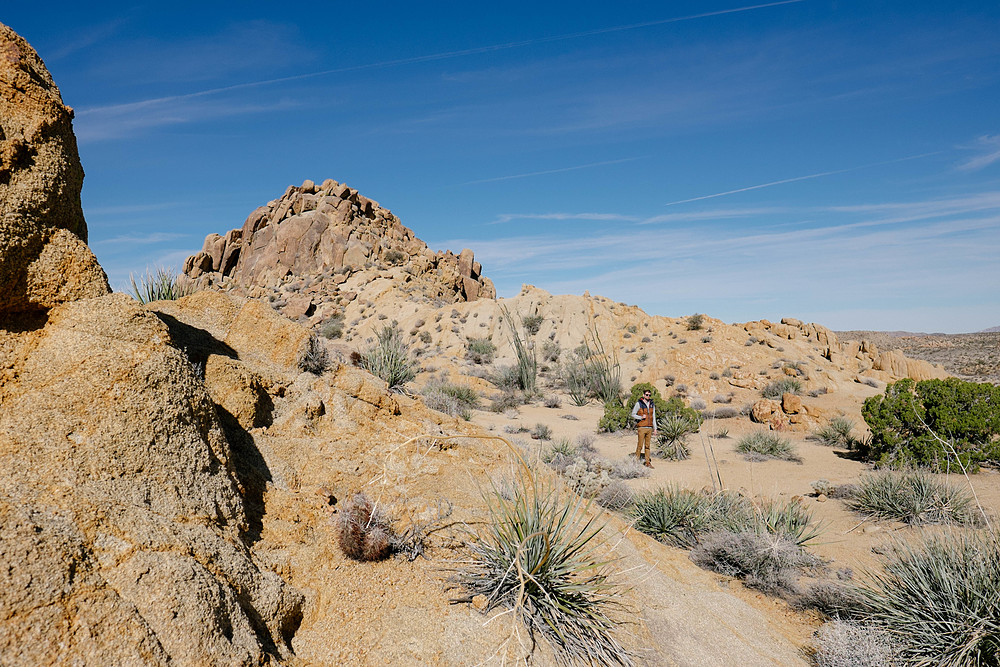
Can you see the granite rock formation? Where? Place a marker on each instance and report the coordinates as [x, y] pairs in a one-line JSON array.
[[124, 529], [323, 237], [44, 258]]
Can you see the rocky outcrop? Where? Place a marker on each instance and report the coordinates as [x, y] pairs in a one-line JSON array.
[[124, 526], [325, 236], [854, 356], [44, 258]]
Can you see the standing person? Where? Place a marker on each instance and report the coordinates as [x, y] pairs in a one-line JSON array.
[[644, 413]]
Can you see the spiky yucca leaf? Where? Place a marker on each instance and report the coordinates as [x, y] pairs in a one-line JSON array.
[[537, 556]]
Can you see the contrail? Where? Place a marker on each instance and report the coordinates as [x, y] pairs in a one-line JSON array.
[[549, 171], [800, 178], [430, 57]]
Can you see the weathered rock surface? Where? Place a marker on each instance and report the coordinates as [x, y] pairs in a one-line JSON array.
[[125, 533], [301, 250], [44, 259]]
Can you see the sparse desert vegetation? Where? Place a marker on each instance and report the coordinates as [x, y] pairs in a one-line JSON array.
[[389, 358], [763, 445], [159, 284], [210, 449]]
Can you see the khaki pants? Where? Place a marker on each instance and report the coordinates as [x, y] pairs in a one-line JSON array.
[[645, 433]]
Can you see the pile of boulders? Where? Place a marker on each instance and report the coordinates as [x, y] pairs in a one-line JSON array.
[[317, 244], [861, 357]]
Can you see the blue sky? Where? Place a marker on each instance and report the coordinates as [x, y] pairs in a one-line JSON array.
[[838, 162]]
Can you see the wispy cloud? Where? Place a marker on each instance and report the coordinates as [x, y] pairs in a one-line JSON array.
[[131, 107], [890, 257], [800, 178], [713, 214], [141, 239], [119, 122], [599, 217], [128, 209], [988, 148], [84, 38], [550, 171]]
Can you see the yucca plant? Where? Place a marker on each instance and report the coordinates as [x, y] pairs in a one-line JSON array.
[[390, 359], [912, 497], [673, 428], [159, 284], [734, 512], [672, 515], [939, 599], [537, 556], [560, 448], [838, 432]]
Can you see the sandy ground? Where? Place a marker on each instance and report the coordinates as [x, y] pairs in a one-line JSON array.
[[847, 540]]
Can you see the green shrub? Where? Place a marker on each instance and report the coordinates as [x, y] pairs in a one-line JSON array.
[[695, 322], [159, 284], [762, 445], [616, 415], [933, 423], [940, 600], [536, 556], [911, 497], [532, 323], [389, 358], [333, 327], [480, 350], [615, 418], [781, 387]]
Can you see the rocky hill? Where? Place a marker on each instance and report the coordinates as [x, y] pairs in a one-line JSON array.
[[352, 263], [312, 249]]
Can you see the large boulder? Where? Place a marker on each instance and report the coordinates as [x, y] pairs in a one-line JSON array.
[[44, 259], [125, 532]]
